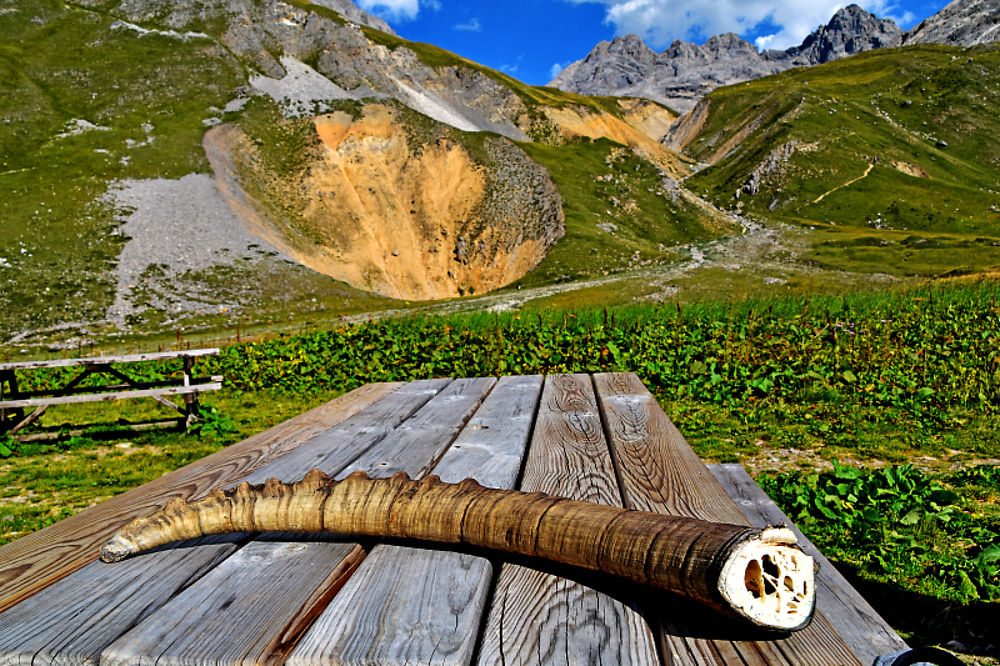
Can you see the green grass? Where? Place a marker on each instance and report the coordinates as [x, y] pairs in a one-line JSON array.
[[602, 237], [57, 237], [889, 106]]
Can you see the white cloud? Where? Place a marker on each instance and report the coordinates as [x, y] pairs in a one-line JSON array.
[[660, 22], [508, 69], [472, 25], [556, 68], [398, 10], [763, 42]]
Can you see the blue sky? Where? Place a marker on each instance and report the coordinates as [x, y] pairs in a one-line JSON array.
[[530, 39]]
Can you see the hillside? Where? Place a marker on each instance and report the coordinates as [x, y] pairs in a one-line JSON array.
[[898, 146], [165, 164]]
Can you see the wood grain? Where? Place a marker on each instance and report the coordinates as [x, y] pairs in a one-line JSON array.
[[540, 618], [314, 590], [417, 606], [36, 561], [858, 624], [491, 447], [268, 592], [403, 606], [337, 448], [660, 472], [60, 625], [415, 446], [104, 360]]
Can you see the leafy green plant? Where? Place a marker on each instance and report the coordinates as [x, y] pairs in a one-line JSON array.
[[897, 524], [211, 423], [8, 446]]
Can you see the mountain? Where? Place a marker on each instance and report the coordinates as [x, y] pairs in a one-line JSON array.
[[851, 30], [960, 23], [685, 72], [203, 163], [898, 145]]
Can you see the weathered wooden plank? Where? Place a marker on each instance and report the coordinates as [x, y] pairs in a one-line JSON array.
[[229, 599], [107, 388], [540, 618], [862, 628], [416, 606], [248, 610], [660, 472], [491, 447], [104, 360], [375, 419], [38, 560], [378, 617], [59, 624], [334, 450], [170, 567], [419, 442], [118, 395]]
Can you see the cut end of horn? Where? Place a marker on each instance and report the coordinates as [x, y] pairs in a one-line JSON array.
[[117, 549], [770, 581]]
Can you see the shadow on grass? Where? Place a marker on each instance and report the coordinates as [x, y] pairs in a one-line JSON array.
[[929, 621], [106, 431]]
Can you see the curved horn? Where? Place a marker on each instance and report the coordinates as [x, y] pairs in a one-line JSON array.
[[759, 575]]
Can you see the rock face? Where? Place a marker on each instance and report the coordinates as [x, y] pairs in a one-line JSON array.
[[678, 77], [393, 193], [851, 30], [961, 23], [685, 72], [263, 32], [393, 203]]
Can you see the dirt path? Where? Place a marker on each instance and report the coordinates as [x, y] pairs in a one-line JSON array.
[[750, 249], [847, 184]]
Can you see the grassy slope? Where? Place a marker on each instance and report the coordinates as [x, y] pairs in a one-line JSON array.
[[59, 245], [592, 176], [57, 64], [894, 105]]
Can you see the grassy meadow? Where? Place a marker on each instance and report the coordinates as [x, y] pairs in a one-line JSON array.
[[874, 420]]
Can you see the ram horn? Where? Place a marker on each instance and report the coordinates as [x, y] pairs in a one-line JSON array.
[[760, 575]]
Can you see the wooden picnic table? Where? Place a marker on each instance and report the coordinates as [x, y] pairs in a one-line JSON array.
[[269, 599], [13, 400]]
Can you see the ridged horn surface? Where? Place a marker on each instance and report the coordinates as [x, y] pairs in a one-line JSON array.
[[759, 575]]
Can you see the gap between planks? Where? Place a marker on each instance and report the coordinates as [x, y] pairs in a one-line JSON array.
[[537, 617], [411, 605]]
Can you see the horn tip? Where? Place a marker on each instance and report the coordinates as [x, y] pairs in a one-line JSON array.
[[117, 549]]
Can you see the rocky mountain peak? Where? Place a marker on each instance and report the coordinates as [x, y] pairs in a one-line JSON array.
[[728, 43], [851, 30], [624, 46], [685, 72], [960, 23]]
